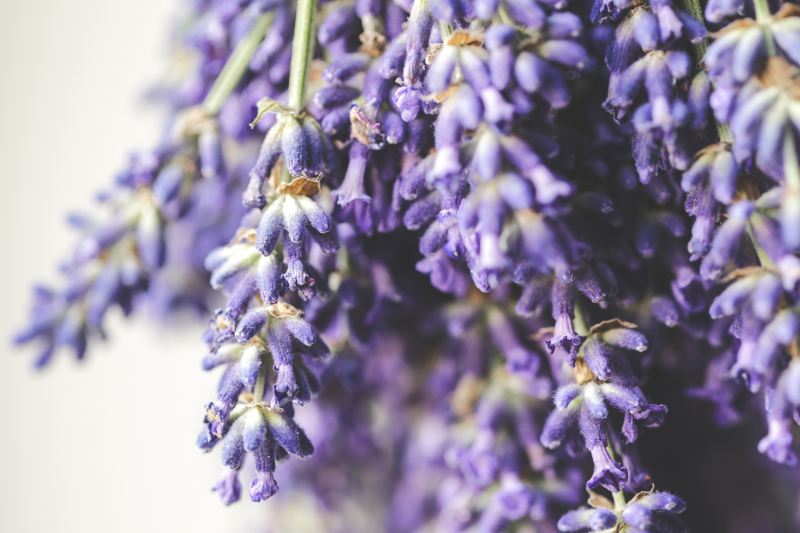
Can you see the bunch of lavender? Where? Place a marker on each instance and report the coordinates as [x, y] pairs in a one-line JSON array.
[[434, 230], [753, 252]]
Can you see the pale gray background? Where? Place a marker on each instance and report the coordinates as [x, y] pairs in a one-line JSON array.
[[108, 445]]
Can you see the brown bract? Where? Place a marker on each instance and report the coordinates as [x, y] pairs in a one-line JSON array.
[[466, 395], [192, 122], [583, 373], [613, 323], [433, 50], [300, 186], [736, 25], [372, 39], [465, 38], [742, 273], [283, 310], [713, 148], [780, 73], [599, 501], [787, 10], [362, 127], [245, 236], [441, 96]]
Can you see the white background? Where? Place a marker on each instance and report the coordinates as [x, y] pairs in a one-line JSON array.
[[107, 445]]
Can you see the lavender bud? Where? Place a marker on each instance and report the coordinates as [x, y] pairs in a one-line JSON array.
[[629, 339], [592, 519]]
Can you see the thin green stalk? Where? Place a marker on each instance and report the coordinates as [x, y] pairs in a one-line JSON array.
[[724, 132], [579, 323], [763, 16], [762, 10], [763, 257], [696, 10], [505, 18], [302, 49], [791, 166], [236, 66], [445, 30], [619, 500]]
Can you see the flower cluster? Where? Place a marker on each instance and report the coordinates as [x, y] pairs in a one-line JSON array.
[[465, 243], [753, 170]]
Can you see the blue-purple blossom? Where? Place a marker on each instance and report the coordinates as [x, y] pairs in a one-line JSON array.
[[646, 511]]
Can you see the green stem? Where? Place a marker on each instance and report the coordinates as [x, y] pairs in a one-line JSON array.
[[762, 10], [724, 132], [619, 500], [695, 9], [445, 30], [236, 66], [579, 323], [763, 16], [302, 49], [763, 257], [791, 166], [505, 18]]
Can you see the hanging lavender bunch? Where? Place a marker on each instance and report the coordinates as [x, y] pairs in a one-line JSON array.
[[753, 96], [460, 248]]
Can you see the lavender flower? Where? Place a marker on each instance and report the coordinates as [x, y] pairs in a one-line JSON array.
[[646, 511]]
